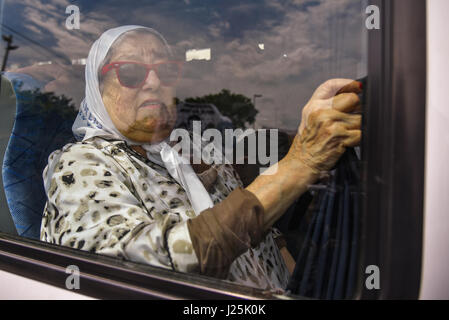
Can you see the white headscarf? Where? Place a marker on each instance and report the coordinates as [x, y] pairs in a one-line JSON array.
[[93, 121]]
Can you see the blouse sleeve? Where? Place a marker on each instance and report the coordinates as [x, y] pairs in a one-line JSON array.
[[92, 205], [222, 233]]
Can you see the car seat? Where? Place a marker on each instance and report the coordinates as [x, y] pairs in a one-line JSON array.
[[42, 124]]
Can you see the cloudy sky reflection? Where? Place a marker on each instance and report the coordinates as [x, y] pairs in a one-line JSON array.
[[305, 43]]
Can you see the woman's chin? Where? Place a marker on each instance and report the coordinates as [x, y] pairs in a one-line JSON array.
[[149, 130], [153, 136]]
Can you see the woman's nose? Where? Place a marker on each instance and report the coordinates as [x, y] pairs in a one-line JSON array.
[[152, 81]]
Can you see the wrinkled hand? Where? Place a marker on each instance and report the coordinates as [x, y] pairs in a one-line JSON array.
[[328, 125]]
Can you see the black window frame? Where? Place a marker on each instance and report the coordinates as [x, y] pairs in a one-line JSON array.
[[394, 157], [393, 188]]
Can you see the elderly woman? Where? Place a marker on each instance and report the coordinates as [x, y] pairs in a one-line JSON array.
[[122, 190]]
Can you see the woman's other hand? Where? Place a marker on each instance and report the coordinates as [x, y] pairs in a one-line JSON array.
[[328, 125]]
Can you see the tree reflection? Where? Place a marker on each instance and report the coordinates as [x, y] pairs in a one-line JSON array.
[[237, 107]]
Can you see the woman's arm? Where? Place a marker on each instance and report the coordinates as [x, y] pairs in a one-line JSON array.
[[222, 233], [277, 190], [326, 129]]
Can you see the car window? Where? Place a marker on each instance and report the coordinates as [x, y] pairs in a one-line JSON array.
[[237, 65]]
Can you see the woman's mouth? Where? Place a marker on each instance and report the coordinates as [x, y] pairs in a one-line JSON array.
[[156, 110], [151, 104]]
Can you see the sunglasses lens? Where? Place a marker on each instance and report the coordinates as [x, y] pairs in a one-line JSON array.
[[131, 75], [168, 73]]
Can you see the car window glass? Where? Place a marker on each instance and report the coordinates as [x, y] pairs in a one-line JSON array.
[[245, 65]]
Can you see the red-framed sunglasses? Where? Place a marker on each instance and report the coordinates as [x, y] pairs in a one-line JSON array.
[[134, 74]]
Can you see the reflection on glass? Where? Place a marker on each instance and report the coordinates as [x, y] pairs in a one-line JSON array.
[[125, 190]]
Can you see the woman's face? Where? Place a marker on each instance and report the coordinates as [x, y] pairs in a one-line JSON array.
[[147, 113]]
